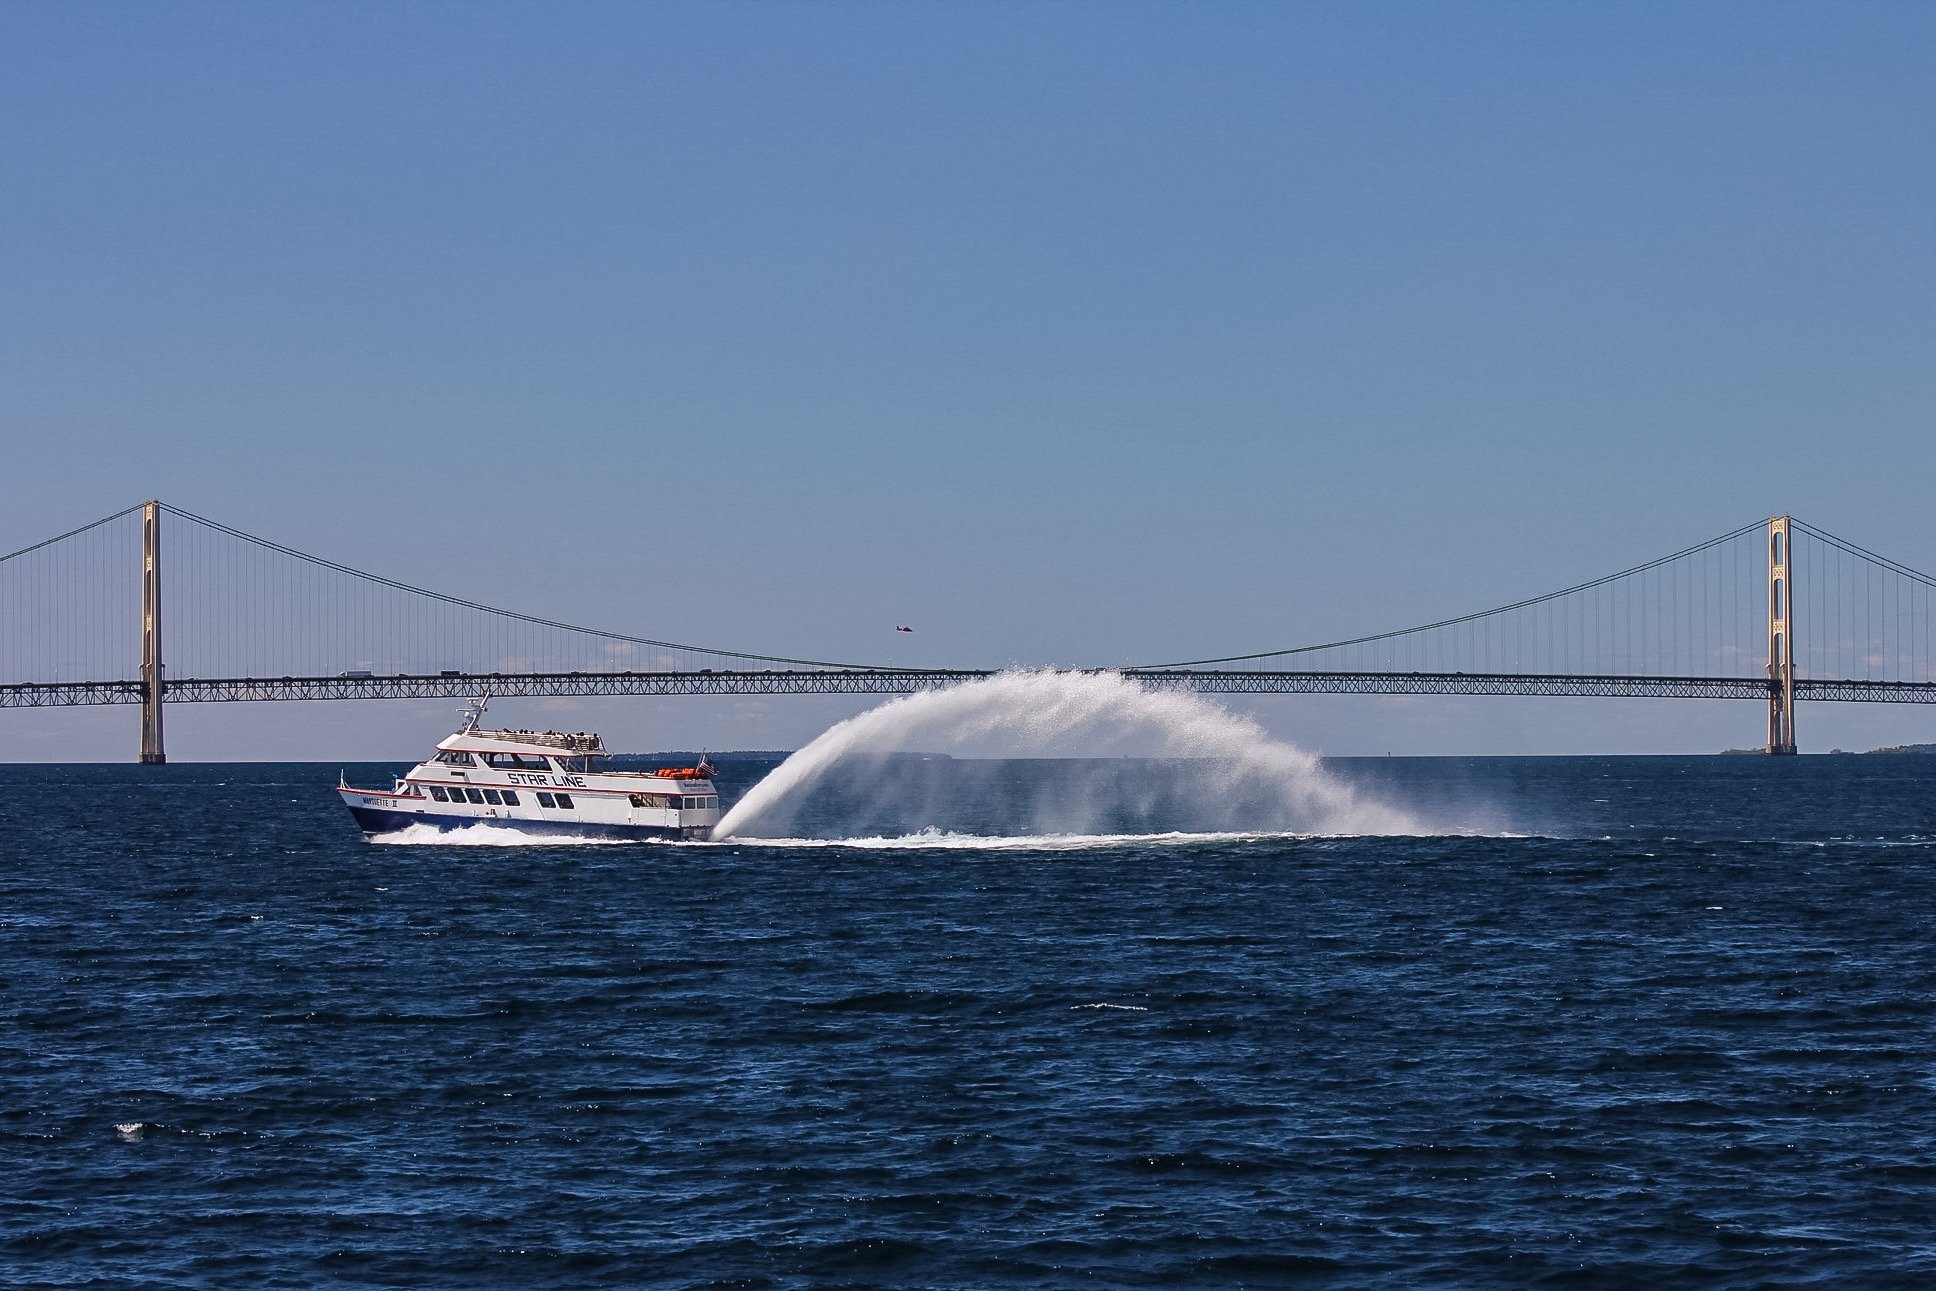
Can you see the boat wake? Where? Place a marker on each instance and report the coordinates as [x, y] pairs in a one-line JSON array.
[[486, 836], [933, 839]]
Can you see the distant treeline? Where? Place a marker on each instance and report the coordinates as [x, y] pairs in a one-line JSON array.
[[1893, 748]]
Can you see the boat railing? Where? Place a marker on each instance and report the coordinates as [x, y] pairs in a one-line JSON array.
[[576, 741]]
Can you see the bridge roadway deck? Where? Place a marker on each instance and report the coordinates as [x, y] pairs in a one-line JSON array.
[[906, 681]]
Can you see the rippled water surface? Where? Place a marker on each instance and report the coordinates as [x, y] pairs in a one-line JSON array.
[[1623, 1021]]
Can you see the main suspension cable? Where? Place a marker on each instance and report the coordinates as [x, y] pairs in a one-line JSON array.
[[459, 601], [1469, 618]]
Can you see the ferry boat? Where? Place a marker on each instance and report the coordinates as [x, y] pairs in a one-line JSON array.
[[538, 783]]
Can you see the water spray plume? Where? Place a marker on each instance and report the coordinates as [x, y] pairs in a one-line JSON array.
[[1266, 784]]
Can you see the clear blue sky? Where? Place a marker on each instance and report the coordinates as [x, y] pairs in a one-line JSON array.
[[1066, 332]]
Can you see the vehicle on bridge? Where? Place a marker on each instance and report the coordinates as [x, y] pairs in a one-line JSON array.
[[538, 783]]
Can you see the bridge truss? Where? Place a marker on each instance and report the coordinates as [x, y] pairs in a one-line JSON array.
[[887, 681]]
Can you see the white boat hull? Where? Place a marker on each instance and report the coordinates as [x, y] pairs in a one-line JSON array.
[[379, 813], [540, 783]]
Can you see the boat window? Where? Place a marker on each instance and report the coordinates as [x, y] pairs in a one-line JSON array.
[[474, 795], [564, 800], [638, 799], [517, 761], [712, 804], [437, 792], [510, 797], [456, 758], [491, 796], [545, 800]]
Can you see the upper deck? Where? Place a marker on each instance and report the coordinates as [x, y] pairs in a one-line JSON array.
[[579, 743], [554, 752]]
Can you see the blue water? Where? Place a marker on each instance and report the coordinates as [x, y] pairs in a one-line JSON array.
[[1667, 1020]]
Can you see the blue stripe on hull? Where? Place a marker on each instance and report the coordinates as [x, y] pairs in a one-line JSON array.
[[375, 820]]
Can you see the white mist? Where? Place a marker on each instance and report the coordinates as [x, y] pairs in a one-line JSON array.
[[1084, 715]]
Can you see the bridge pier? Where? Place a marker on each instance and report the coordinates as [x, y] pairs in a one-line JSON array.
[[152, 752], [1781, 640]]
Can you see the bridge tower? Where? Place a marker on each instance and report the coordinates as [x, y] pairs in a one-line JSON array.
[[152, 753], [1781, 639]]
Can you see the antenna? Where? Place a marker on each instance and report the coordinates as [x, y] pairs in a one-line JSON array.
[[474, 710]]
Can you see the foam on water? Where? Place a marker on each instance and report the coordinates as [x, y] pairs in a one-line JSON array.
[[952, 840], [1025, 714], [486, 836]]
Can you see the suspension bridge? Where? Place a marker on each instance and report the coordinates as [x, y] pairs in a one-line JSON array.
[[1775, 611]]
